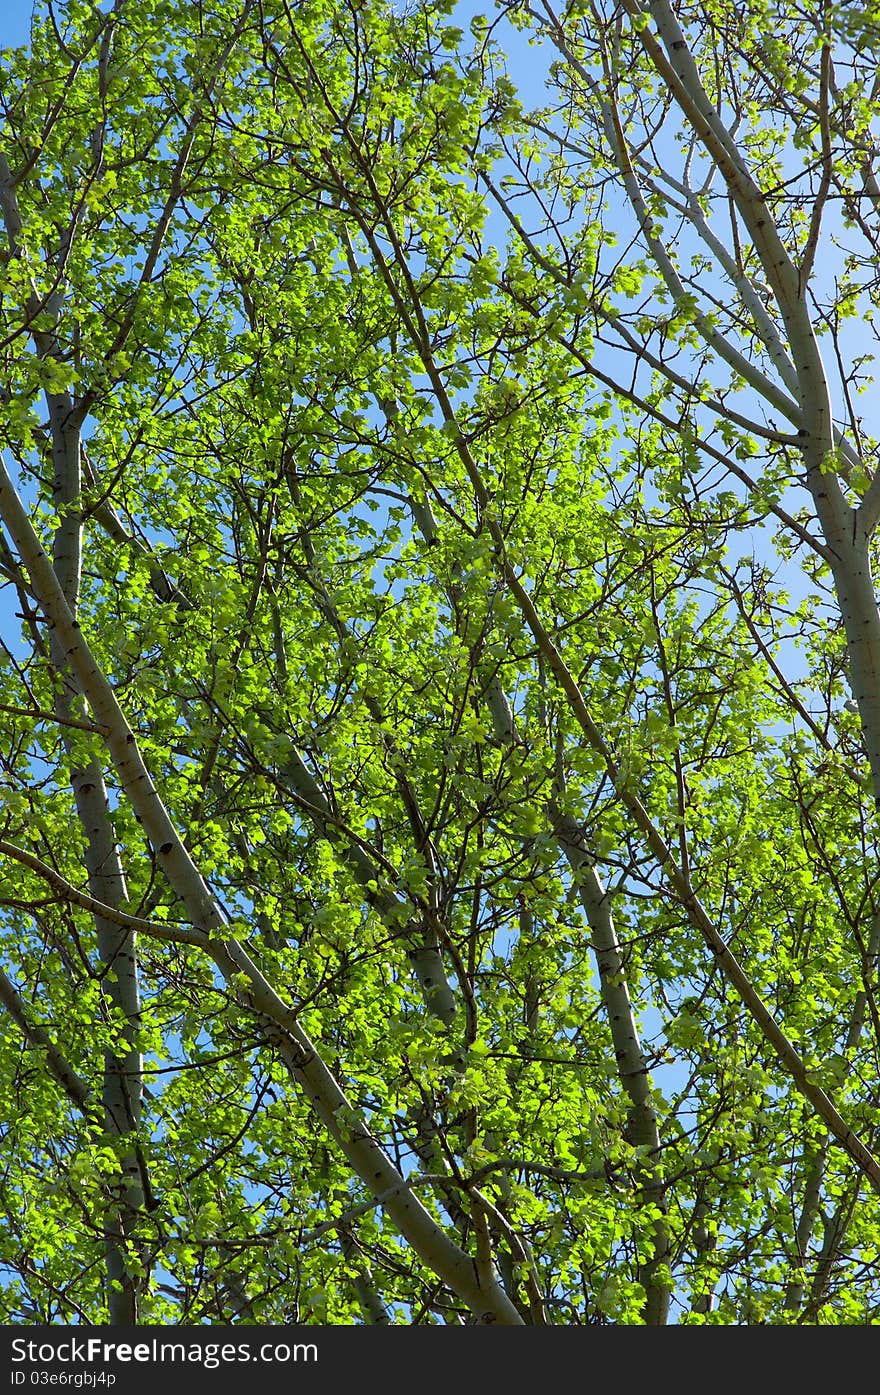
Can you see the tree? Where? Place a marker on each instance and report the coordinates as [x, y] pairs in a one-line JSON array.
[[441, 684]]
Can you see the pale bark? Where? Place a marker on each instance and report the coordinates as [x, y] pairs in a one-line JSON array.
[[122, 1088], [117, 948], [632, 1067]]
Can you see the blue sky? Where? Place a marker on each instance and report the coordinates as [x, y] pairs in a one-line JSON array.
[[15, 22]]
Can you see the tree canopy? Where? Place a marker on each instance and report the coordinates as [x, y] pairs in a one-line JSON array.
[[440, 676]]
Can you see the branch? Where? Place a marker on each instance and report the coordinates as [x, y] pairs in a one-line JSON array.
[[176, 934], [73, 1085]]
